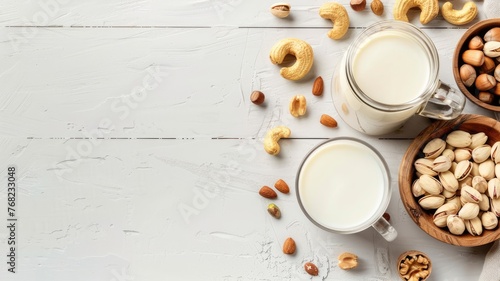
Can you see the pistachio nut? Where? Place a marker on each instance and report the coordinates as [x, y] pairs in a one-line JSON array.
[[443, 212], [470, 195], [487, 169], [469, 211], [494, 188], [481, 153], [475, 169], [429, 202], [424, 167], [280, 10], [459, 139], [484, 203], [492, 49], [455, 200], [474, 226], [455, 224], [489, 220], [479, 184], [273, 210], [434, 148], [497, 170], [462, 154], [430, 184], [417, 189], [495, 206], [448, 181], [495, 152], [478, 139], [442, 163], [449, 153], [463, 169], [453, 167]]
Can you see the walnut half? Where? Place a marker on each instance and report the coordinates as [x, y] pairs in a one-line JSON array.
[[414, 266]]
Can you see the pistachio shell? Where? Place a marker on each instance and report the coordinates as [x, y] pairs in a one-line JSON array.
[[455, 200], [474, 226], [448, 181], [424, 167], [481, 153], [492, 49], [434, 148], [489, 220], [469, 211], [465, 182], [469, 194], [430, 184], [495, 152], [478, 139], [459, 138], [462, 154], [463, 169], [484, 203], [497, 170], [479, 184], [475, 169], [431, 201], [455, 224], [495, 206], [417, 189], [487, 169], [449, 153], [443, 212], [441, 164], [494, 188]]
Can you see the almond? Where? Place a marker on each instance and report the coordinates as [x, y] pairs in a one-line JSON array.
[[317, 89], [282, 186], [267, 192], [328, 121], [311, 268], [289, 246]]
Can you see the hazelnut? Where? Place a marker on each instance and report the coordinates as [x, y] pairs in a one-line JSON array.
[[476, 43], [467, 74], [358, 5], [473, 57], [485, 82], [488, 65], [496, 72], [257, 97], [485, 97]]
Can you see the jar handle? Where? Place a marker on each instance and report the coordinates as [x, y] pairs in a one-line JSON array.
[[446, 103], [385, 229]]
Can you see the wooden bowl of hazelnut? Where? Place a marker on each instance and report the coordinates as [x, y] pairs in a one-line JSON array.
[[449, 180], [476, 64], [414, 265]]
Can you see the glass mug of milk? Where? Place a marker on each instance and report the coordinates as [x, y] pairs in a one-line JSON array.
[[388, 74], [343, 186]]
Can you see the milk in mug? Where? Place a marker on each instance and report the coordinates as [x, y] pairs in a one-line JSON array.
[[343, 186], [388, 74]]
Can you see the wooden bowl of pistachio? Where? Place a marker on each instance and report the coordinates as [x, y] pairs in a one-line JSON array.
[[476, 64], [449, 180]]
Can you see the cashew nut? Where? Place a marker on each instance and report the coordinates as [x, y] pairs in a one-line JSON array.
[[338, 15], [429, 9], [302, 51], [459, 17], [272, 137]]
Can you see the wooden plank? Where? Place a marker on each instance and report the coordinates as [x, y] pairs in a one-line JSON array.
[[168, 83]]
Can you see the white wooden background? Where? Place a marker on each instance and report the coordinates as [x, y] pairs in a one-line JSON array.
[[139, 154]]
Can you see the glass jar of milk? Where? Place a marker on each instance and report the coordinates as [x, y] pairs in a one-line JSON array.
[[388, 74]]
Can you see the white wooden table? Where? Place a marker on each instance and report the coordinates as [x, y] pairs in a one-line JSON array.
[[139, 155]]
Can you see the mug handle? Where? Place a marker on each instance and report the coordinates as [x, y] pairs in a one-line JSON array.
[[385, 229], [446, 103]]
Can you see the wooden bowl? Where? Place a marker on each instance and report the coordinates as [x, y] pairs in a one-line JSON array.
[[411, 254], [480, 28], [423, 218]]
